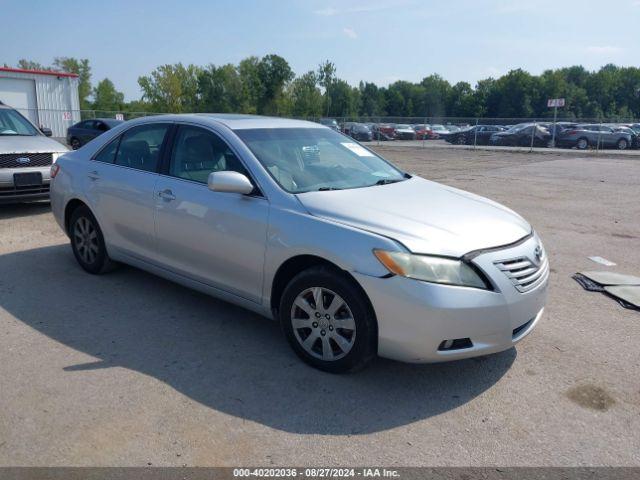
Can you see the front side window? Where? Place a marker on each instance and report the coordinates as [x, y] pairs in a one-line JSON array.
[[140, 147], [306, 159], [12, 123], [198, 152]]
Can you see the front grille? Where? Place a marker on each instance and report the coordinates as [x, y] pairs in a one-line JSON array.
[[523, 273], [10, 160], [15, 191]]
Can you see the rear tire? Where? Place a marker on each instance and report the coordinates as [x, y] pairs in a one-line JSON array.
[[87, 242], [328, 321]]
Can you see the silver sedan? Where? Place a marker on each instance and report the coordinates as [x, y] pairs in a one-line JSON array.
[[295, 221]]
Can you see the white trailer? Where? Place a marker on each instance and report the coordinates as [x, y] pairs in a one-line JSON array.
[[49, 99]]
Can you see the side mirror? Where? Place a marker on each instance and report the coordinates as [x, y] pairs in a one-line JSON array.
[[46, 131], [229, 182]]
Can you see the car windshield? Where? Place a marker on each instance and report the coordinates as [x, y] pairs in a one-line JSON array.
[[403, 127], [306, 159], [12, 123]]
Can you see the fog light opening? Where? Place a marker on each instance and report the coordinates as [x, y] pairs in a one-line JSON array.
[[455, 344]]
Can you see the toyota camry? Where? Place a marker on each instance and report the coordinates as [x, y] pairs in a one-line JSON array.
[[351, 255]]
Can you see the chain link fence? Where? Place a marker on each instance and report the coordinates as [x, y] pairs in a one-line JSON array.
[[423, 132]]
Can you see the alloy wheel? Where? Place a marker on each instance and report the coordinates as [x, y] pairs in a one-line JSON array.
[[323, 324], [86, 240]]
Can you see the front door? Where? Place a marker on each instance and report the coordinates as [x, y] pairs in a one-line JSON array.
[[212, 237]]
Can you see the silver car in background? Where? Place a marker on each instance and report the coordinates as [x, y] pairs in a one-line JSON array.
[[26, 156], [301, 224]]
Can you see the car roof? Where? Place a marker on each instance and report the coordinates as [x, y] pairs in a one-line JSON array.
[[234, 121]]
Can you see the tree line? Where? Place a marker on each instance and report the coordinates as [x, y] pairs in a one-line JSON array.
[[268, 86]]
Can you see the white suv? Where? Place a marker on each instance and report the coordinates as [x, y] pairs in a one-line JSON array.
[[26, 156]]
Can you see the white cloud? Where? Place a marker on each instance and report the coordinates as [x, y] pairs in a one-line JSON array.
[[604, 50], [365, 8], [326, 12], [350, 32]]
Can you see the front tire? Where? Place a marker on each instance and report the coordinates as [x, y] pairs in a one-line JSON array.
[[328, 321], [622, 144], [87, 242]]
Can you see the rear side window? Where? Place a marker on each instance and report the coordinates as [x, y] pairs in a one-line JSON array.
[[140, 147], [108, 153]]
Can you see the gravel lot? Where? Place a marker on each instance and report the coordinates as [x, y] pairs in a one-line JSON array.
[[129, 369]]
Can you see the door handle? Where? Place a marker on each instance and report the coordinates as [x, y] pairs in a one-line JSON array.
[[93, 175], [167, 195]]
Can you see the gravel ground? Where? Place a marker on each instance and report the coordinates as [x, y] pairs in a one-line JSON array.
[[129, 369]]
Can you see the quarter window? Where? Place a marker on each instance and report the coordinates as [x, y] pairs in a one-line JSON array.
[[140, 147], [198, 152], [108, 153]]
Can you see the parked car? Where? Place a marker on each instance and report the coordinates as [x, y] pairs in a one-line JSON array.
[[635, 135], [423, 131], [592, 135], [379, 135], [522, 135], [86, 130], [404, 132], [26, 156], [352, 256], [331, 123], [438, 131], [478, 135], [358, 131], [388, 129]]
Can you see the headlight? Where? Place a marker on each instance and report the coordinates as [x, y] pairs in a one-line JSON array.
[[431, 269]]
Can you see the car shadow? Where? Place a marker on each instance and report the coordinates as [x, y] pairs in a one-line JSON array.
[[222, 356], [12, 210]]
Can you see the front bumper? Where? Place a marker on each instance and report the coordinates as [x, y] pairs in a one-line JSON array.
[[9, 192], [415, 317]]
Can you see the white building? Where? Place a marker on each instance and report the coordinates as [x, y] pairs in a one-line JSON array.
[[48, 99]]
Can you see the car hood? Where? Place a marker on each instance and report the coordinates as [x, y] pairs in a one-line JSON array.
[[424, 216], [29, 144]]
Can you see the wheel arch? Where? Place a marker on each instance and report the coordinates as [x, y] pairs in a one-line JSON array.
[[71, 206], [294, 265]]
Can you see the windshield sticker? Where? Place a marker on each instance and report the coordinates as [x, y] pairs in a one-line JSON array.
[[357, 149]]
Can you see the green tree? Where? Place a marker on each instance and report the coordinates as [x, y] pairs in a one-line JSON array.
[[305, 96], [81, 68], [171, 88], [326, 78], [30, 65], [372, 99], [220, 89], [274, 73], [106, 98]]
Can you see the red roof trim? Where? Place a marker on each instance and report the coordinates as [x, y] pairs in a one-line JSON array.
[[39, 72]]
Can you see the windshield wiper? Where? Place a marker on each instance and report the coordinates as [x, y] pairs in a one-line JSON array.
[[387, 181], [326, 189]]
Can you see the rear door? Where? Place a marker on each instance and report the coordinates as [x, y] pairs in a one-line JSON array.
[[120, 186]]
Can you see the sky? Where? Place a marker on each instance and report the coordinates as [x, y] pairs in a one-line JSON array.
[[374, 40]]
